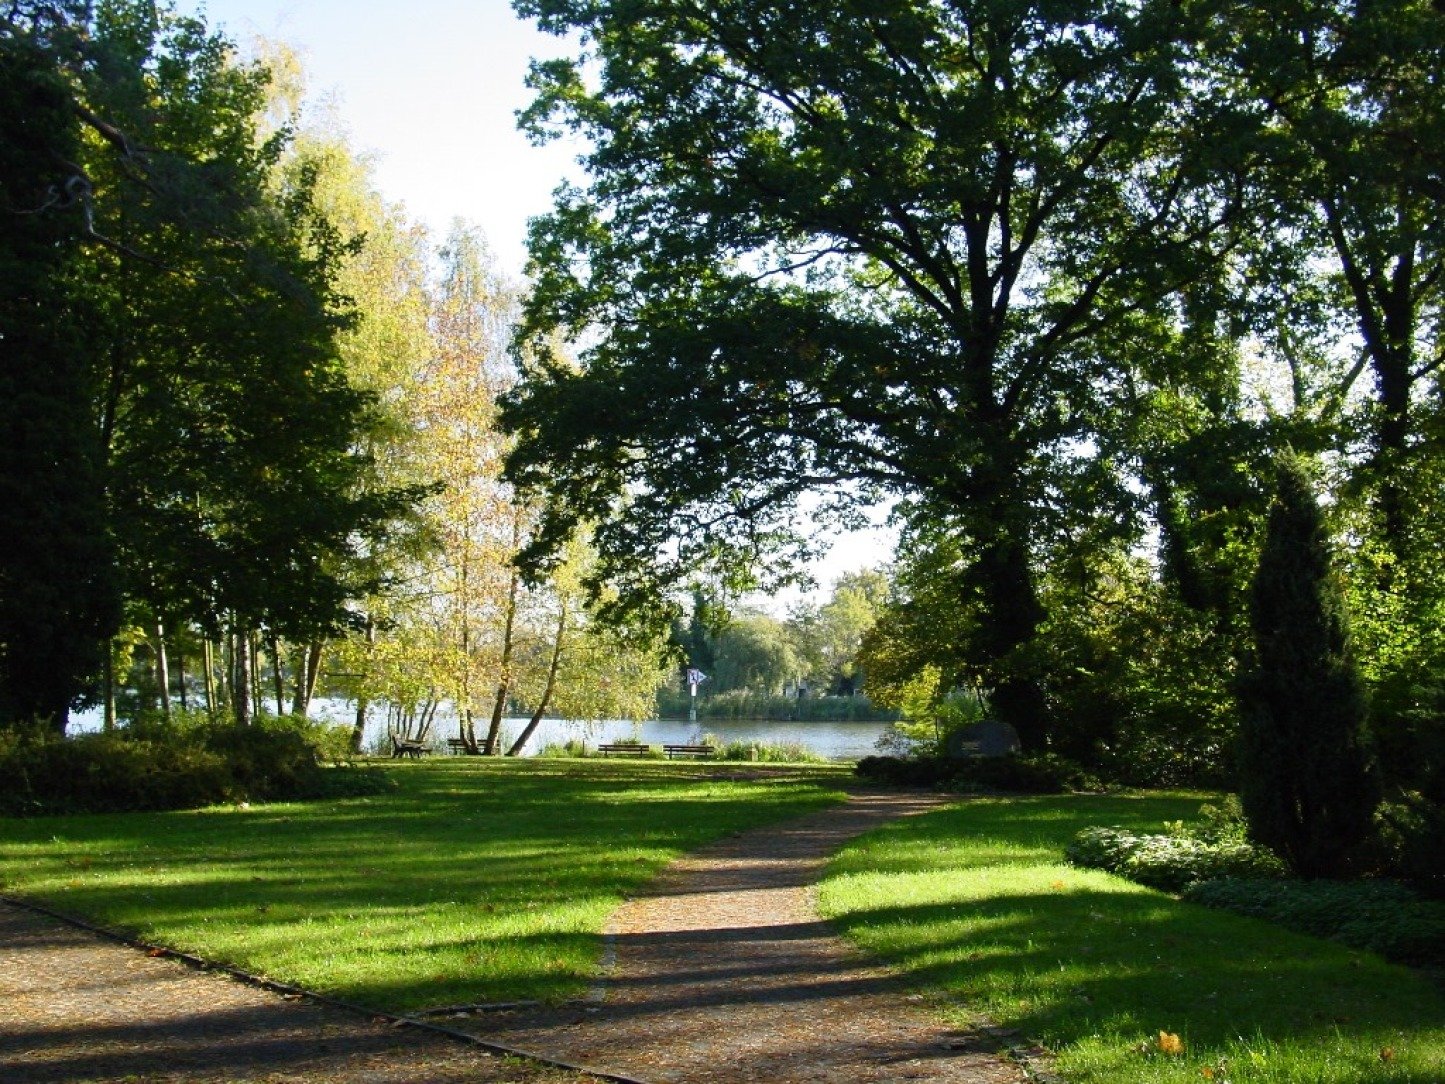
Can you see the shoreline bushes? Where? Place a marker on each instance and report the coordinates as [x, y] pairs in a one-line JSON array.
[[179, 765]]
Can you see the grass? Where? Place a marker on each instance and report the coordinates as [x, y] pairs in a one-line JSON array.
[[476, 880], [975, 903]]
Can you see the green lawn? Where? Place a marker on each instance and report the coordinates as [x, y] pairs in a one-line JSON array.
[[976, 902], [476, 880]]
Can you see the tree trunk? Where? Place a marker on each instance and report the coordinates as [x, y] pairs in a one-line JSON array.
[[273, 645], [241, 690], [208, 661], [313, 673], [1011, 617], [108, 678], [358, 727], [504, 676], [298, 689], [163, 675], [546, 696], [181, 679], [253, 648]]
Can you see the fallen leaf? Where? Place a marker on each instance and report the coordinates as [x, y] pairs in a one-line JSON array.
[[1170, 1043]]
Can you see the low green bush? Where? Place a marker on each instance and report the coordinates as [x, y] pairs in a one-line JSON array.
[[572, 747], [181, 764], [1024, 774], [1168, 861], [789, 752], [1380, 916]]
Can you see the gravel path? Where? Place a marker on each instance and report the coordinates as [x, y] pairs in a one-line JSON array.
[[76, 1007], [724, 972]]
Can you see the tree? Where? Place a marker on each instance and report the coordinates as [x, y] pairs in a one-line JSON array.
[[58, 593], [1307, 779], [829, 637], [1357, 113], [753, 652], [224, 429], [829, 248]]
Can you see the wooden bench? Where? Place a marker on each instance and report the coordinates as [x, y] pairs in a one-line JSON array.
[[624, 749], [484, 747], [407, 747], [696, 752]]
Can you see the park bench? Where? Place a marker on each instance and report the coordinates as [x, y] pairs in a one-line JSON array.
[[623, 749], [484, 747], [407, 747], [696, 752]]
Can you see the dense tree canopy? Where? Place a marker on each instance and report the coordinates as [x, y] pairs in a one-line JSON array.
[[825, 247], [211, 432]]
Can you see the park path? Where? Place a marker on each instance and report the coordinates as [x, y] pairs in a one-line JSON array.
[[722, 972], [77, 1007]]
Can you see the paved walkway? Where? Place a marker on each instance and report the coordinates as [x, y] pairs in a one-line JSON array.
[[77, 1007], [723, 972]]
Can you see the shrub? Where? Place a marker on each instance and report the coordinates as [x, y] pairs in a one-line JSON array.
[[1412, 833], [1380, 916], [1306, 770], [1026, 773], [789, 752], [572, 747], [1169, 862], [178, 765]]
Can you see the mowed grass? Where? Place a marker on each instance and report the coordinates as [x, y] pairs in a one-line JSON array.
[[975, 902], [476, 880]]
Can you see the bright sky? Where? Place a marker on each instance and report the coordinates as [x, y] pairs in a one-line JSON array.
[[431, 89]]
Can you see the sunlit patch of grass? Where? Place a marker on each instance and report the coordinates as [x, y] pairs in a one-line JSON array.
[[476, 880], [976, 902]]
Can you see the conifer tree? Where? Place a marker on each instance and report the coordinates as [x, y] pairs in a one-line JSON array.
[[1307, 779]]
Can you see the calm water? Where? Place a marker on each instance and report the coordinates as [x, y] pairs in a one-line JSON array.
[[836, 741]]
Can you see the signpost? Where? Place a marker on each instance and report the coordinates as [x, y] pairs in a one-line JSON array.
[[695, 677]]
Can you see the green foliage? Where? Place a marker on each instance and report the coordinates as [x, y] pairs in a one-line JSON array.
[[1023, 774], [58, 590], [810, 272], [789, 752], [1380, 916], [1168, 861], [186, 763], [572, 747], [1412, 831], [1307, 782]]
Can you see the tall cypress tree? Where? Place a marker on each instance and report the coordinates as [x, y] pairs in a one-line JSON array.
[[1307, 780]]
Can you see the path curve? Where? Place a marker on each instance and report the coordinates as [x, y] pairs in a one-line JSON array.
[[724, 972]]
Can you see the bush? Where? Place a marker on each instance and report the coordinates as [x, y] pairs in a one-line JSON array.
[[1026, 773], [790, 752], [177, 765], [1380, 916], [1169, 862], [1412, 833], [572, 747]]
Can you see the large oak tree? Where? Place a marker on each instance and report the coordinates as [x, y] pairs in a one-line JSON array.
[[874, 247]]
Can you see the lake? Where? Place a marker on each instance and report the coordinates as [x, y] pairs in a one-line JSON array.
[[835, 741]]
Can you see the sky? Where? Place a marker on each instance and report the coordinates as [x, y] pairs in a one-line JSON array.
[[430, 89]]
